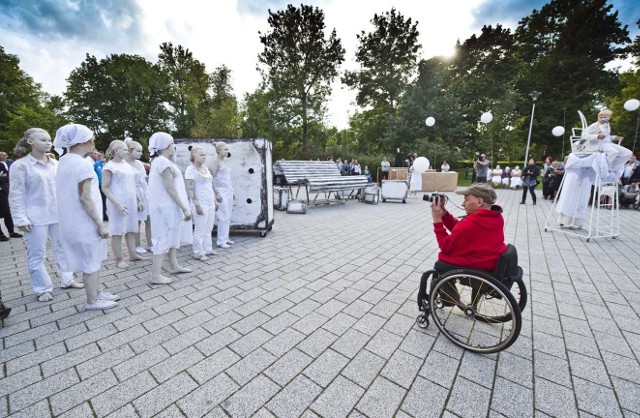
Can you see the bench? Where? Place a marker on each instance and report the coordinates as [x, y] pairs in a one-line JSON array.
[[319, 178]]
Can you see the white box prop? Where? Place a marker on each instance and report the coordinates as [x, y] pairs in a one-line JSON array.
[[371, 194], [394, 189], [251, 176]]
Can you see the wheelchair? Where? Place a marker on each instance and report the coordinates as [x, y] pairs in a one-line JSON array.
[[477, 310]]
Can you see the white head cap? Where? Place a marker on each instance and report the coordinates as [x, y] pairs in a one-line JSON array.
[[70, 135], [159, 141]]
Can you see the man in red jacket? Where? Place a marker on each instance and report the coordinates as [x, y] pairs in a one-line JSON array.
[[476, 241]]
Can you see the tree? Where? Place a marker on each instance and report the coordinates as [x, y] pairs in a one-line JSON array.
[[23, 105], [298, 64], [217, 115], [565, 47], [388, 58], [118, 96], [189, 85]]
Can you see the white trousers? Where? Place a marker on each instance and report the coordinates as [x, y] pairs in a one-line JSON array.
[[203, 225], [223, 214], [37, 253]]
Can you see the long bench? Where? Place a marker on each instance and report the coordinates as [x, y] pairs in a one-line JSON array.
[[319, 178]]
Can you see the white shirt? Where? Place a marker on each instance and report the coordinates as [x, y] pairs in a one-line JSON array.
[[203, 184], [32, 196]]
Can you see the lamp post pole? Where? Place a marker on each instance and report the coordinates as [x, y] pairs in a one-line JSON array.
[[534, 96]]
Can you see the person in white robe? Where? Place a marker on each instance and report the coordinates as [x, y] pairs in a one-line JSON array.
[[32, 198], [199, 182], [496, 175], [142, 193], [119, 186], [80, 213], [223, 189], [168, 207], [516, 178], [595, 155]]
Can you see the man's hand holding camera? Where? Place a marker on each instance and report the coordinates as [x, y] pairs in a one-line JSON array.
[[437, 206]]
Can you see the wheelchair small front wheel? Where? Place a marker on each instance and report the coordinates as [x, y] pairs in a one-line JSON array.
[[422, 321], [472, 301]]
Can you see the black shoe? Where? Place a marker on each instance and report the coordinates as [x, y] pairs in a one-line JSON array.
[[15, 235], [522, 203], [4, 238], [4, 311], [534, 203]]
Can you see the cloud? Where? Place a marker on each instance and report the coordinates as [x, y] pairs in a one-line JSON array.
[[114, 21], [506, 12]]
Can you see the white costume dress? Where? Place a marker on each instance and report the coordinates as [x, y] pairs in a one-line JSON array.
[[167, 219], [83, 248], [203, 224], [123, 187], [415, 184], [142, 189], [223, 214], [579, 175], [32, 198], [617, 155], [496, 176], [516, 178]]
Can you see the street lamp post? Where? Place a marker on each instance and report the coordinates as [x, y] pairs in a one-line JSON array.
[[534, 96]]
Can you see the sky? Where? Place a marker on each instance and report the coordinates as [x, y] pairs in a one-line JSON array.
[[52, 37]]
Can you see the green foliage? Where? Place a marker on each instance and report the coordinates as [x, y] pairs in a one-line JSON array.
[[118, 96], [298, 64], [565, 46]]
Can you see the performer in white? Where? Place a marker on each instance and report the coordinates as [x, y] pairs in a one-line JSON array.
[[595, 155], [168, 206], [199, 183], [223, 189], [133, 158], [496, 175], [32, 198], [80, 213], [506, 176], [419, 166], [119, 186], [516, 178]]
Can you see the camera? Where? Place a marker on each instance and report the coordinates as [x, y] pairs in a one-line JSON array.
[[434, 197]]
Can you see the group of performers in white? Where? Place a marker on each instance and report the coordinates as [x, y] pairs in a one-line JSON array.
[[61, 201]]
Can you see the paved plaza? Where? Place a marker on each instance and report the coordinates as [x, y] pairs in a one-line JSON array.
[[318, 319]]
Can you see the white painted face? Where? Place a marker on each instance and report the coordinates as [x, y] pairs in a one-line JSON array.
[[199, 157], [223, 152], [170, 151], [40, 142], [120, 151], [135, 151]]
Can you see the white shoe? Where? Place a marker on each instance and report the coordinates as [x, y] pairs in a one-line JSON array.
[[100, 305], [141, 250], [230, 242], [224, 245], [211, 252], [106, 296]]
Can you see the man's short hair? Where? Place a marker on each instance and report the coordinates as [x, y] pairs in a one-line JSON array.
[[485, 193]]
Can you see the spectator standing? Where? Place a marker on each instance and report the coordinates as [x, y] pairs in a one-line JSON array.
[[631, 170], [482, 173], [530, 180], [5, 209], [384, 169], [445, 167], [356, 170]]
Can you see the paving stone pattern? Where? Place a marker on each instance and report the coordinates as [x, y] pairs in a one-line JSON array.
[[318, 319]]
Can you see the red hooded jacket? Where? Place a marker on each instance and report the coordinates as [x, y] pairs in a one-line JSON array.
[[476, 241]]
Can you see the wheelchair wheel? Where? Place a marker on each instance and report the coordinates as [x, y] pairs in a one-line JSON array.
[[475, 311]]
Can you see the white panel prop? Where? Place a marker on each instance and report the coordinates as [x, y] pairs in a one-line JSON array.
[[251, 175]]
